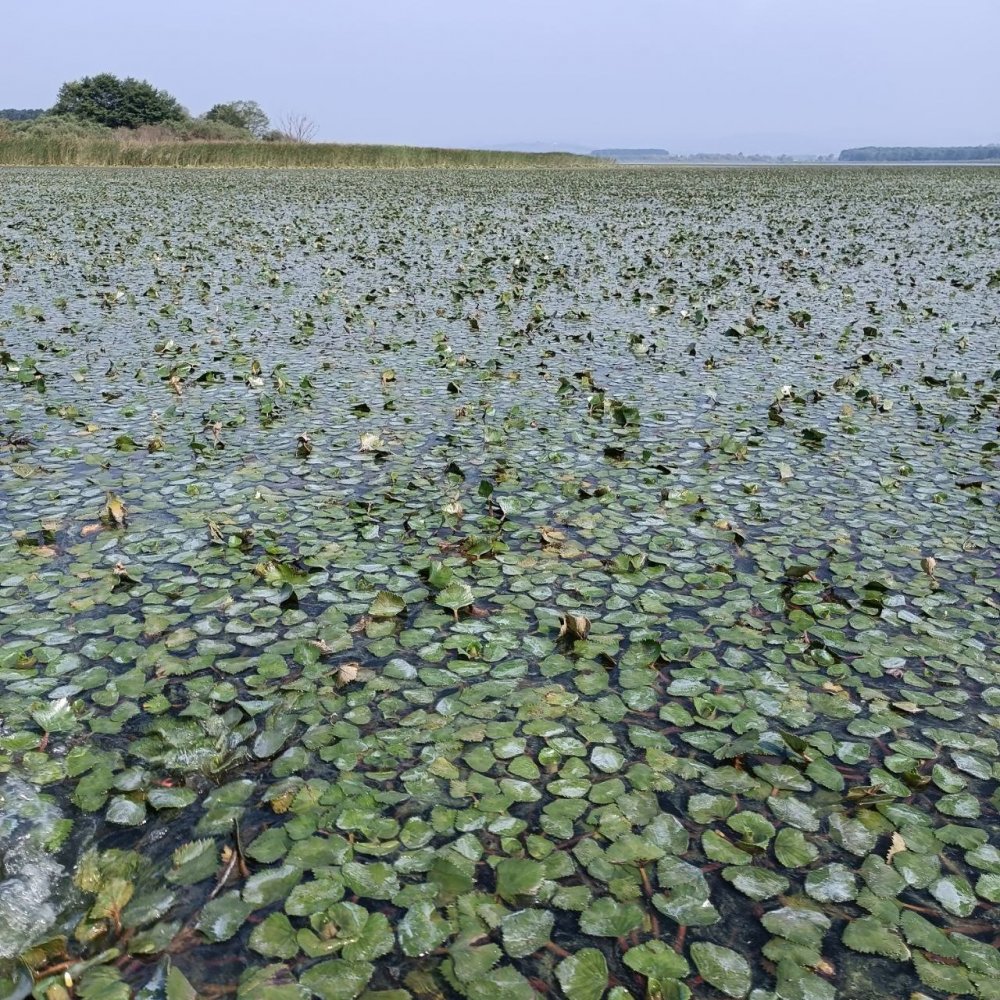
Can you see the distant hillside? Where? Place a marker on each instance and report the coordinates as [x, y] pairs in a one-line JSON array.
[[920, 154]]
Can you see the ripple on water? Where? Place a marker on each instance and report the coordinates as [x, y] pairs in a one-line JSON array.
[[29, 877]]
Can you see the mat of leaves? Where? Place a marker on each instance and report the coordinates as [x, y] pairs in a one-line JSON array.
[[499, 584]]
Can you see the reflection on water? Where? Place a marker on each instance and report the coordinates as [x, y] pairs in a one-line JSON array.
[[31, 881]]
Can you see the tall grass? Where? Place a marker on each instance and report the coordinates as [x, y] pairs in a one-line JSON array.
[[17, 150]]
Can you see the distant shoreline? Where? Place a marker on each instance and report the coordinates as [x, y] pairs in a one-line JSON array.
[[869, 155], [812, 164], [34, 151]]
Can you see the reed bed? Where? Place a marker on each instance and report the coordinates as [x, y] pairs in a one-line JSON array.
[[89, 152]]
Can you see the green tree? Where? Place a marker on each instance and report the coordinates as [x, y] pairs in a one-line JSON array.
[[21, 114], [243, 114], [107, 100]]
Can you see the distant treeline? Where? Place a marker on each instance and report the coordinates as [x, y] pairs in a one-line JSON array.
[[633, 155], [21, 114], [650, 156], [920, 154]]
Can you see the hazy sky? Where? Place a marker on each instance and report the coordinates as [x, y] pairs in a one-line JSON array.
[[750, 75]]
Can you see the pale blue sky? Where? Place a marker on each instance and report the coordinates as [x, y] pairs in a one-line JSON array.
[[750, 75]]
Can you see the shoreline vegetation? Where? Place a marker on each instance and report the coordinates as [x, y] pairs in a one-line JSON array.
[[76, 151], [125, 148], [104, 121]]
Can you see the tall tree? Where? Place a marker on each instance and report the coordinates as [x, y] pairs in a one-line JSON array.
[[107, 100], [242, 114]]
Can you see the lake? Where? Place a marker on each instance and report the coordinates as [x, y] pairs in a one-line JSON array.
[[499, 584]]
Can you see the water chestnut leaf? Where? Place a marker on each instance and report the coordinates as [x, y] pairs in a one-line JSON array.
[[584, 975], [337, 979], [869, 937], [222, 917], [455, 596], [525, 931], [421, 930], [723, 968], [608, 918], [386, 605], [275, 937]]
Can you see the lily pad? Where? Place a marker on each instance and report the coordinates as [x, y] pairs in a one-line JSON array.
[[222, 917], [657, 961], [337, 979], [455, 596], [516, 878], [386, 605], [723, 968], [422, 929], [870, 937], [275, 937], [525, 931], [584, 975], [955, 894], [608, 918]]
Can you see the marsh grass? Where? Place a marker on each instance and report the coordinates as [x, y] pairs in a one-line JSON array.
[[18, 150]]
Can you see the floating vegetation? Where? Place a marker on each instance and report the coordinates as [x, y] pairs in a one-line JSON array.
[[487, 585]]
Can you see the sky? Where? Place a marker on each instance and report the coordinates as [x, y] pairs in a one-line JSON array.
[[752, 76]]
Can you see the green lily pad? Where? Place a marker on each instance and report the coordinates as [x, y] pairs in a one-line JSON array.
[[222, 917], [797, 983], [921, 933], [869, 937], [948, 979], [723, 968], [516, 877], [833, 883], [955, 894], [55, 716], [657, 961], [386, 605], [584, 975], [757, 883], [793, 850], [502, 982], [607, 917], [986, 858], [851, 834], [275, 937], [370, 881], [123, 811], [719, 848], [525, 931], [751, 827], [270, 982], [455, 596], [421, 930], [171, 798], [337, 979], [797, 924]]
